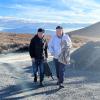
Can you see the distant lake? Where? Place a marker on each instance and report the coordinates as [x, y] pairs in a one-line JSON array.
[[22, 27]]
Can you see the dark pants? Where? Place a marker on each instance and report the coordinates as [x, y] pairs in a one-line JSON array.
[[59, 70], [38, 65]]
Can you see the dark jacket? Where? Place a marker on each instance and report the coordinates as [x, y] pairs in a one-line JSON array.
[[38, 48]]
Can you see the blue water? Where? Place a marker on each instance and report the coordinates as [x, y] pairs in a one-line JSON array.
[[21, 27]]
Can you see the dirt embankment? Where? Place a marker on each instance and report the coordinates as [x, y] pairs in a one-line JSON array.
[[87, 57]]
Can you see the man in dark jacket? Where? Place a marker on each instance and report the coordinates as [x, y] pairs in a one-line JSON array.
[[38, 53]]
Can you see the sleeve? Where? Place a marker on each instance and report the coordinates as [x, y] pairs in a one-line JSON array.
[[69, 42], [50, 46], [31, 48], [46, 49]]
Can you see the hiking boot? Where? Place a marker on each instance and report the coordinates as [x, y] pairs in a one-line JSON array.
[[35, 78], [57, 83], [61, 86]]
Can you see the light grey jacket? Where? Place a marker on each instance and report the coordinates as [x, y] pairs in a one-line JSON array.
[[55, 45]]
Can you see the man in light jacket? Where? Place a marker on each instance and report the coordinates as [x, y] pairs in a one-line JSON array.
[[55, 46]]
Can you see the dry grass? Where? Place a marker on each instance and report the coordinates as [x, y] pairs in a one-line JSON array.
[[78, 41], [15, 42], [12, 41]]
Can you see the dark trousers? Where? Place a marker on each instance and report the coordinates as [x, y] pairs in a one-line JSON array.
[[38, 65], [59, 70]]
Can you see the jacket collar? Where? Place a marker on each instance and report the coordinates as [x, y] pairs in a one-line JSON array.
[[60, 36]]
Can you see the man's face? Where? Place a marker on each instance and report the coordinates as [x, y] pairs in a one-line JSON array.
[[59, 32], [40, 34]]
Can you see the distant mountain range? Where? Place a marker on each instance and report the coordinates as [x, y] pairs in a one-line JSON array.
[[22, 26], [90, 31]]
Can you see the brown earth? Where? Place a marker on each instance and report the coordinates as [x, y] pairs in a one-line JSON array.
[[15, 42]]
